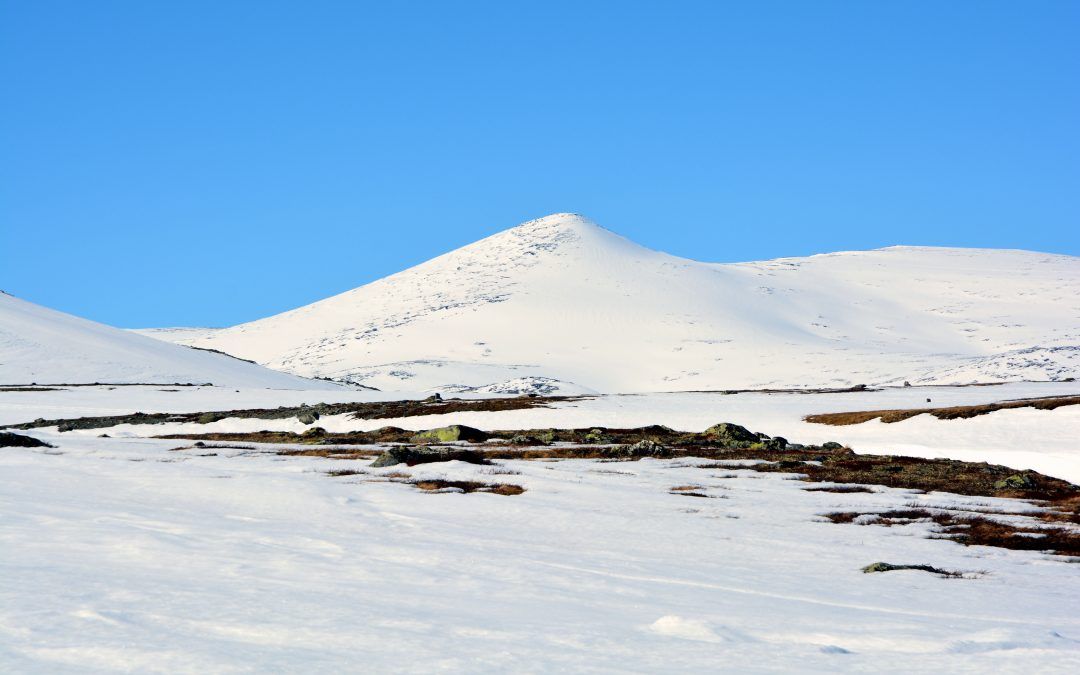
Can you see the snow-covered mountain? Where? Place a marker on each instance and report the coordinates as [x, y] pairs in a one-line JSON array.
[[45, 346], [561, 300]]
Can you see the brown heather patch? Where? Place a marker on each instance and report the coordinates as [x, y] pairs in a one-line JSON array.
[[976, 530], [468, 486], [950, 413], [367, 411], [345, 472], [841, 489]]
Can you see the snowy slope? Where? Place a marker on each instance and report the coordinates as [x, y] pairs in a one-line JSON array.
[[563, 298], [41, 345], [177, 335], [123, 555]]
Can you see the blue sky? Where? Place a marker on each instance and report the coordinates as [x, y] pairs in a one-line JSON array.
[[206, 163]]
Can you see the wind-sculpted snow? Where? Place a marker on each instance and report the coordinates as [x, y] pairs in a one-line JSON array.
[[41, 345], [564, 299]]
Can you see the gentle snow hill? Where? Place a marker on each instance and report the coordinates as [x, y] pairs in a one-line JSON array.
[[561, 300], [42, 345]]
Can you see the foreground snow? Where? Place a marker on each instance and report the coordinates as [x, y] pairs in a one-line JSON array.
[[124, 555], [120, 555], [565, 299]]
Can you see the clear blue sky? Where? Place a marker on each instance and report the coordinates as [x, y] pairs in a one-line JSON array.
[[206, 163]]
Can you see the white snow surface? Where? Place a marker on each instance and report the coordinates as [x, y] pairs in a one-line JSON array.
[[123, 554], [181, 335], [564, 299], [41, 345]]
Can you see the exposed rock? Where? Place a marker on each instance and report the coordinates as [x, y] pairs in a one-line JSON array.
[[9, 440], [1018, 481], [643, 448], [831, 445], [776, 443], [525, 439], [308, 417], [454, 432], [731, 434], [210, 418], [410, 455], [598, 436], [889, 567]]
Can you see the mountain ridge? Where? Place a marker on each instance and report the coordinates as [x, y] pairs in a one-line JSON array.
[[565, 300]]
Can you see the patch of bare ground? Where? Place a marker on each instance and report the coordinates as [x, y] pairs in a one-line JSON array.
[[433, 405], [972, 529], [949, 413], [946, 574], [841, 489], [6, 389], [466, 486], [836, 468]]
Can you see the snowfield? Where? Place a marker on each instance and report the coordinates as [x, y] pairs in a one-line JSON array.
[[124, 555], [41, 345], [564, 299]]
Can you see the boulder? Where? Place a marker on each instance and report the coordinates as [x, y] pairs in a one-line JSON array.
[[731, 434], [1017, 481], [831, 445], [776, 443], [308, 416], [410, 455], [643, 448], [598, 436], [450, 434]]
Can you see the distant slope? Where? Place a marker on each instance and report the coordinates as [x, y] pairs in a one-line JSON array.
[[178, 335], [564, 299], [42, 345]]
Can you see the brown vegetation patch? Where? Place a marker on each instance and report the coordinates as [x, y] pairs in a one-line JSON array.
[[30, 389], [976, 530], [467, 486], [841, 489], [950, 413], [367, 411]]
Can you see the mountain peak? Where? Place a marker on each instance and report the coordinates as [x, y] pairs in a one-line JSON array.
[[555, 225]]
